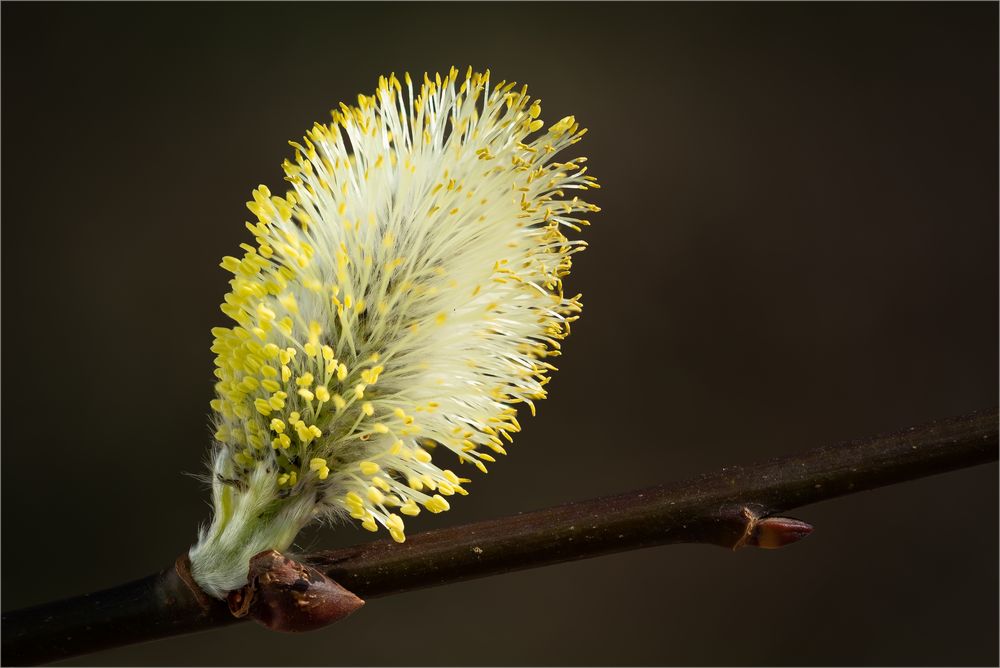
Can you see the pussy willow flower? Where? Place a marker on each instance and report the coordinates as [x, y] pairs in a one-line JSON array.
[[397, 305]]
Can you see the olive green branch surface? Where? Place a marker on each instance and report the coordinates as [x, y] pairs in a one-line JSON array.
[[734, 507]]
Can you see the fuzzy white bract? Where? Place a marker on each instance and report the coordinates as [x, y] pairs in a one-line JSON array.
[[398, 304]]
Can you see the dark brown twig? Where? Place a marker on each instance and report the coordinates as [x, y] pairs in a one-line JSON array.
[[707, 509], [735, 507]]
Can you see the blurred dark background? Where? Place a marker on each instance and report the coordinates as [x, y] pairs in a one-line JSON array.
[[798, 246]]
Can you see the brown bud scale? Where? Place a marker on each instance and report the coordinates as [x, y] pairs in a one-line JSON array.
[[286, 595]]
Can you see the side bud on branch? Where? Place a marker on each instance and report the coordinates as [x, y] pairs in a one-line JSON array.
[[285, 595]]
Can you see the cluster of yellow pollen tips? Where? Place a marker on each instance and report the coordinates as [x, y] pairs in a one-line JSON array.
[[400, 299]]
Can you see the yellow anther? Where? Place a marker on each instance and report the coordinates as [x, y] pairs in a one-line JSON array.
[[562, 126], [380, 428], [286, 373], [294, 417], [263, 406], [397, 535], [268, 371], [394, 521], [277, 426], [264, 313], [310, 349], [437, 504], [322, 393], [281, 441], [359, 391], [316, 463], [270, 385], [230, 263], [271, 351], [410, 508], [497, 448], [252, 363], [243, 459], [369, 468], [375, 495], [369, 524], [306, 394], [338, 402], [302, 431], [328, 353], [305, 380], [367, 408], [422, 455], [341, 372], [315, 431]]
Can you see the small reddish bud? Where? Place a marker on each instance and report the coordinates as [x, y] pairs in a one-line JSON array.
[[768, 533], [773, 532], [285, 595]]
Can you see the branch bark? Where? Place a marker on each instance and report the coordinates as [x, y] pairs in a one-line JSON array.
[[734, 507]]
